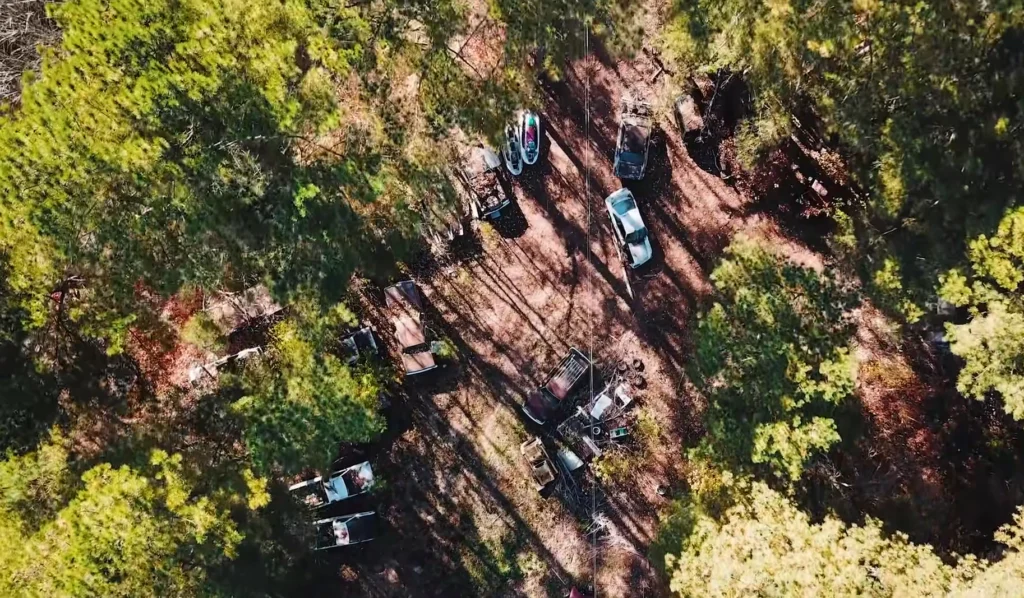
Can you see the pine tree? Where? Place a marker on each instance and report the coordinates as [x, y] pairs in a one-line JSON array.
[[760, 543], [772, 357]]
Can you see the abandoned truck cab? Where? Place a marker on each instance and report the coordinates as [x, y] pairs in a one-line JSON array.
[[558, 388]]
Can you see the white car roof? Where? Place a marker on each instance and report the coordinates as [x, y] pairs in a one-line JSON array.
[[631, 221]]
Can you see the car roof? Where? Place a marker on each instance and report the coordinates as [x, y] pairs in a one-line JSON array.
[[403, 295], [631, 221], [572, 367], [409, 331], [362, 527], [538, 405]]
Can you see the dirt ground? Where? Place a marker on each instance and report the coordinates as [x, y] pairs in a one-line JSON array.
[[463, 517]]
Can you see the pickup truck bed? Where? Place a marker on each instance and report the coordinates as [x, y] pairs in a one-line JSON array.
[[558, 387]]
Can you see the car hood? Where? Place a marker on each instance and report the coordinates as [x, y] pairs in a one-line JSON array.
[[409, 331], [640, 253]]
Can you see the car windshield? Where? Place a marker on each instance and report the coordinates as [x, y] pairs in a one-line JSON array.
[[624, 206], [631, 159], [420, 348], [637, 236]]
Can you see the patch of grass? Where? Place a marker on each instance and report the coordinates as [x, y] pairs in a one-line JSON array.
[[445, 349], [529, 563], [618, 463], [200, 331], [888, 373], [489, 236], [648, 428], [380, 484], [615, 464], [496, 562]]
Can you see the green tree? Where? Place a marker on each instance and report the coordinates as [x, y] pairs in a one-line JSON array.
[[763, 545], [992, 342], [202, 331], [741, 538], [168, 144], [303, 401], [772, 357], [1004, 577], [921, 98], [115, 531]]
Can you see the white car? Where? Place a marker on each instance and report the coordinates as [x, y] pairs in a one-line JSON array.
[[345, 530], [630, 231]]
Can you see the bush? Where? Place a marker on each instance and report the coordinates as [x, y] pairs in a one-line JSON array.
[[201, 331]]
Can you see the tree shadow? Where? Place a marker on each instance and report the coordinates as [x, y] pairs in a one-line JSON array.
[[923, 459], [512, 224]]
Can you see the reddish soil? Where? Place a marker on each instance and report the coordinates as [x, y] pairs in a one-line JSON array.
[[463, 516]]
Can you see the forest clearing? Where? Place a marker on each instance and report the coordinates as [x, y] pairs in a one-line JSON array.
[[406, 298]]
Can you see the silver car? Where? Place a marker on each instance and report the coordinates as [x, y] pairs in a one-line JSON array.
[[630, 231]]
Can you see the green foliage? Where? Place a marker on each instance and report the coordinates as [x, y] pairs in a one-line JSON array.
[[772, 357], [167, 144], [763, 545], [992, 347], [446, 349], [201, 331], [36, 484], [620, 461], [555, 29], [114, 532], [921, 98], [302, 401], [755, 137], [887, 289], [992, 343], [614, 465], [1006, 576], [760, 543]]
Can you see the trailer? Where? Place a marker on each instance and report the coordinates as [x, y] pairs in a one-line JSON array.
[[345, 530], [558, 388], [340, 485], [541, 469]]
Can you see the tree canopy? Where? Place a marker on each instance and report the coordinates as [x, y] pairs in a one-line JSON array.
[[923, 100], [762, 544], [113, 531], [772, 356], [992, 342], [302, 401]]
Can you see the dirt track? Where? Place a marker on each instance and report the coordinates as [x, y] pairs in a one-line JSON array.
[[461, 510]]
